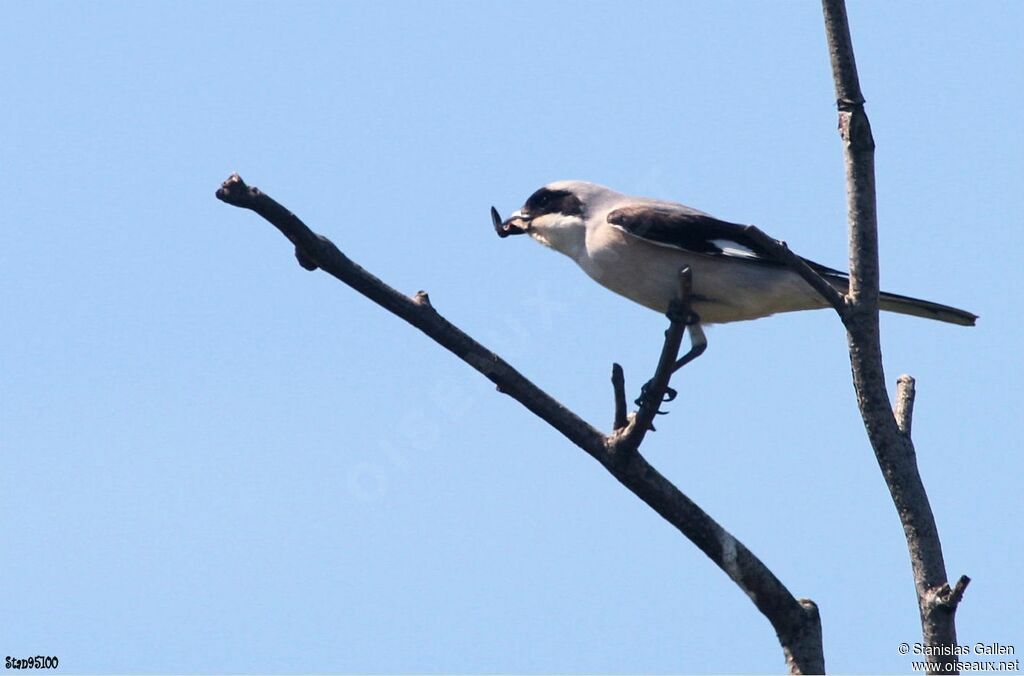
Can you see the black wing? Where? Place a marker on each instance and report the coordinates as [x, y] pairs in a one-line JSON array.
[[693, 231]]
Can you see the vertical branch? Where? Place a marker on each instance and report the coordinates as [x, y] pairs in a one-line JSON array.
[[894, 449]]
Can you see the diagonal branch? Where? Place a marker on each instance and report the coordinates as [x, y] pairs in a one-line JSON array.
[[894, 449], [796, 622]]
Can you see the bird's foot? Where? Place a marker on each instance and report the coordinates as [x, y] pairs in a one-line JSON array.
[[670, 394]]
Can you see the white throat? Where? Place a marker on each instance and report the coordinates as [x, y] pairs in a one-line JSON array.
[[565, 234]]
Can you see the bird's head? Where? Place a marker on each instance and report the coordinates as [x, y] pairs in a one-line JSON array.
[[555, 215]]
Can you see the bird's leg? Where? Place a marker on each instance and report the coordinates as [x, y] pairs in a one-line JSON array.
[[698, 342], [679, 312]]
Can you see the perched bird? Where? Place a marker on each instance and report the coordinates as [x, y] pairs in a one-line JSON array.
[[637, 246]]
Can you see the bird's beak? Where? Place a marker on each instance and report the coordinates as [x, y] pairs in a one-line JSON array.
[[516, 224]]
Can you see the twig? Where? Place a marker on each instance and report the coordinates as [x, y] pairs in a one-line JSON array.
[[958, 592], [619, 391], [894, 449], [795, 622], [904, 403], [946, 599]]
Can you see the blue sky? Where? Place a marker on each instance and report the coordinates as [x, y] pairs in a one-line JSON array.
[[214, 461]]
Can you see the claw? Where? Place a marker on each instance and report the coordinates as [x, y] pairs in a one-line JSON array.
[[670, 394]]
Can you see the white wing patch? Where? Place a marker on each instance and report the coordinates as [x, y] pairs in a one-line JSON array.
[[731, 248]]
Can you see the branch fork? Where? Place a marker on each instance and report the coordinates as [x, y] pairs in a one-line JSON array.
[[888, 427]]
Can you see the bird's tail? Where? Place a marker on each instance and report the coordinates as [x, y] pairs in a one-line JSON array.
[[905, 305], [916, 307]]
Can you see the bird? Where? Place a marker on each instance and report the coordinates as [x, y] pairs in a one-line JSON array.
[[637, 246]]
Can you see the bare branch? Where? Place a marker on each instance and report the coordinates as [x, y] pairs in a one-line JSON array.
[[894, 449], [796, 622]]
